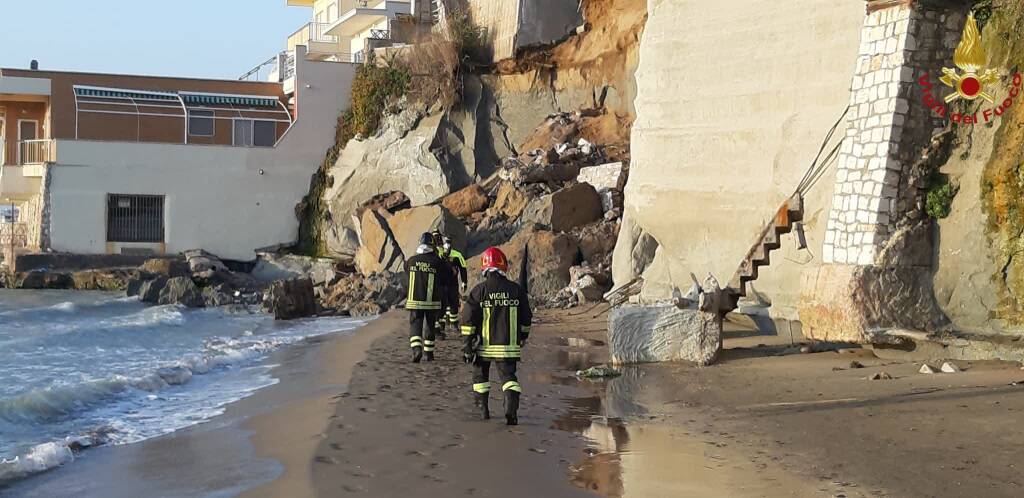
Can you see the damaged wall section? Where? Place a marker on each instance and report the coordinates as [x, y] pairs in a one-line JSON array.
[[731, 109], [878, 246]]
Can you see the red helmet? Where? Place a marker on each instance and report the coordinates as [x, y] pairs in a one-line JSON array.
[[493, 258]]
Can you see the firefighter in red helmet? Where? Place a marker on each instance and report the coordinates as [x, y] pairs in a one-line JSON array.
[[495, 323]]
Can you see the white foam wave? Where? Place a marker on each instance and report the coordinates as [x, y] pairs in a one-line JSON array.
[[40, 458], [56, 403]]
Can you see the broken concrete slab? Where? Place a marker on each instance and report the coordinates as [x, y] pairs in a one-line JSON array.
[[926, 369], [604, 176], [648, 334], [566, 209], [948, 367]]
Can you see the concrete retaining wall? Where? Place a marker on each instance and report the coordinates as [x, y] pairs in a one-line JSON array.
[[731, 110]]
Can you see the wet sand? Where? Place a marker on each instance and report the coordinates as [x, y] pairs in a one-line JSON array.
[[352, 416], [404, 429]]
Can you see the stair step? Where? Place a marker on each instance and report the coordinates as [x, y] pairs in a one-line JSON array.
[[762, 256]]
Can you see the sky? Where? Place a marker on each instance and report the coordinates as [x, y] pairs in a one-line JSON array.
[[192, 38]]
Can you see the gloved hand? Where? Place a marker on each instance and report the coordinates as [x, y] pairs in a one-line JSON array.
[[469, 349], [464, 287]]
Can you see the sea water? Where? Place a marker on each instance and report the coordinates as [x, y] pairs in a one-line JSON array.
[[82, 369]]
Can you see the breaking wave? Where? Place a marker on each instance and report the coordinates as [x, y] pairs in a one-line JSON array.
[[85, 373]]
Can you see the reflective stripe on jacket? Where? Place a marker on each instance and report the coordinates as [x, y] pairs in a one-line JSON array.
[[427, 274], [498, 311]]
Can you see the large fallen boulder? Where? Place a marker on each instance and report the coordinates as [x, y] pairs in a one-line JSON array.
[[408, 225], [597, 241], [647, 334], [290, 299], [181, 290], [397, 158], [378, 249], [548, 258], [362, 296], [511, 201], [272, 267], [467, 201], [565, 209]]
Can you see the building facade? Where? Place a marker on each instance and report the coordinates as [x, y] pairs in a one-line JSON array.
[[112, 164]]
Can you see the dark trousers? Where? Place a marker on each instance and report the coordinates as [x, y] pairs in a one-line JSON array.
[[451, 305], [422, 329], [506, 375]]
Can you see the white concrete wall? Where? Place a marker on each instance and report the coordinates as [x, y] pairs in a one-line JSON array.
[[216, 197], [734, 98]]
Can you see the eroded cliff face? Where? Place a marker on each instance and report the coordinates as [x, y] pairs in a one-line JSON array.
[[427, 153], [979, 277], [593, 69], [731, 109]]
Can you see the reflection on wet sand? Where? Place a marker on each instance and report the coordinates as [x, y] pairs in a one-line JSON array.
[[631, 458]]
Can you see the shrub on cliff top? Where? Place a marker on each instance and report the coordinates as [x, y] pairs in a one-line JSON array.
[[374, 87]]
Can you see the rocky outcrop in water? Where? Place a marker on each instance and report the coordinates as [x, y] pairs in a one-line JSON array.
[[291, 299]]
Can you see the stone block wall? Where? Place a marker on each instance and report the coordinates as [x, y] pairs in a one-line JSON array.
[[877, 250], [36, 215], [889, 126]]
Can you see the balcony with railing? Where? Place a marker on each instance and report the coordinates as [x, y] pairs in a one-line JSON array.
[[319, 44], [36, 152], [366, 14]]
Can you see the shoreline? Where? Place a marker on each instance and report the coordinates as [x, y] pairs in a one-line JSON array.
[[351, 415], [219, 456], [292, 431]]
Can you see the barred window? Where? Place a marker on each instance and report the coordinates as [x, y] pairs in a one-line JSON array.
[[135, 218]]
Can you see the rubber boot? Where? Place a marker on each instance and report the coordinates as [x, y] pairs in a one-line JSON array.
[[417, 354], [480, 401], [439, 335], [511, 407], [429, 356]]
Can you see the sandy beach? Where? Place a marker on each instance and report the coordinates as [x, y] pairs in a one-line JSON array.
[[352, 416]]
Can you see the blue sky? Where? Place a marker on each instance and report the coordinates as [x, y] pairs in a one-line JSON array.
[[197, 38]]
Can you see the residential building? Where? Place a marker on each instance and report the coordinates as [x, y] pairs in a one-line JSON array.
[[111, 164], [347, 30]]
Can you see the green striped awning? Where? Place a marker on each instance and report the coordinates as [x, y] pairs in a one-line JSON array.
[[219, 99], [190, 98], [125, 94]]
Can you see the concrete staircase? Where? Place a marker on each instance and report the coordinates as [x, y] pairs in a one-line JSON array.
[[759, 254]]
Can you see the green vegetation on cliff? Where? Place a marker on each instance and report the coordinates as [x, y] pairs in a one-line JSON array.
[[1002, 186], [373, 89]]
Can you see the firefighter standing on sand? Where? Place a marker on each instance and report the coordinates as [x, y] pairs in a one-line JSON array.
[[459, 281], [428, 276], [495, 325]]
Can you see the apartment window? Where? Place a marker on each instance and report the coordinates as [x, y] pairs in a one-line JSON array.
[[135, 218], [255, 133], [332, 12], [200, 123]]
